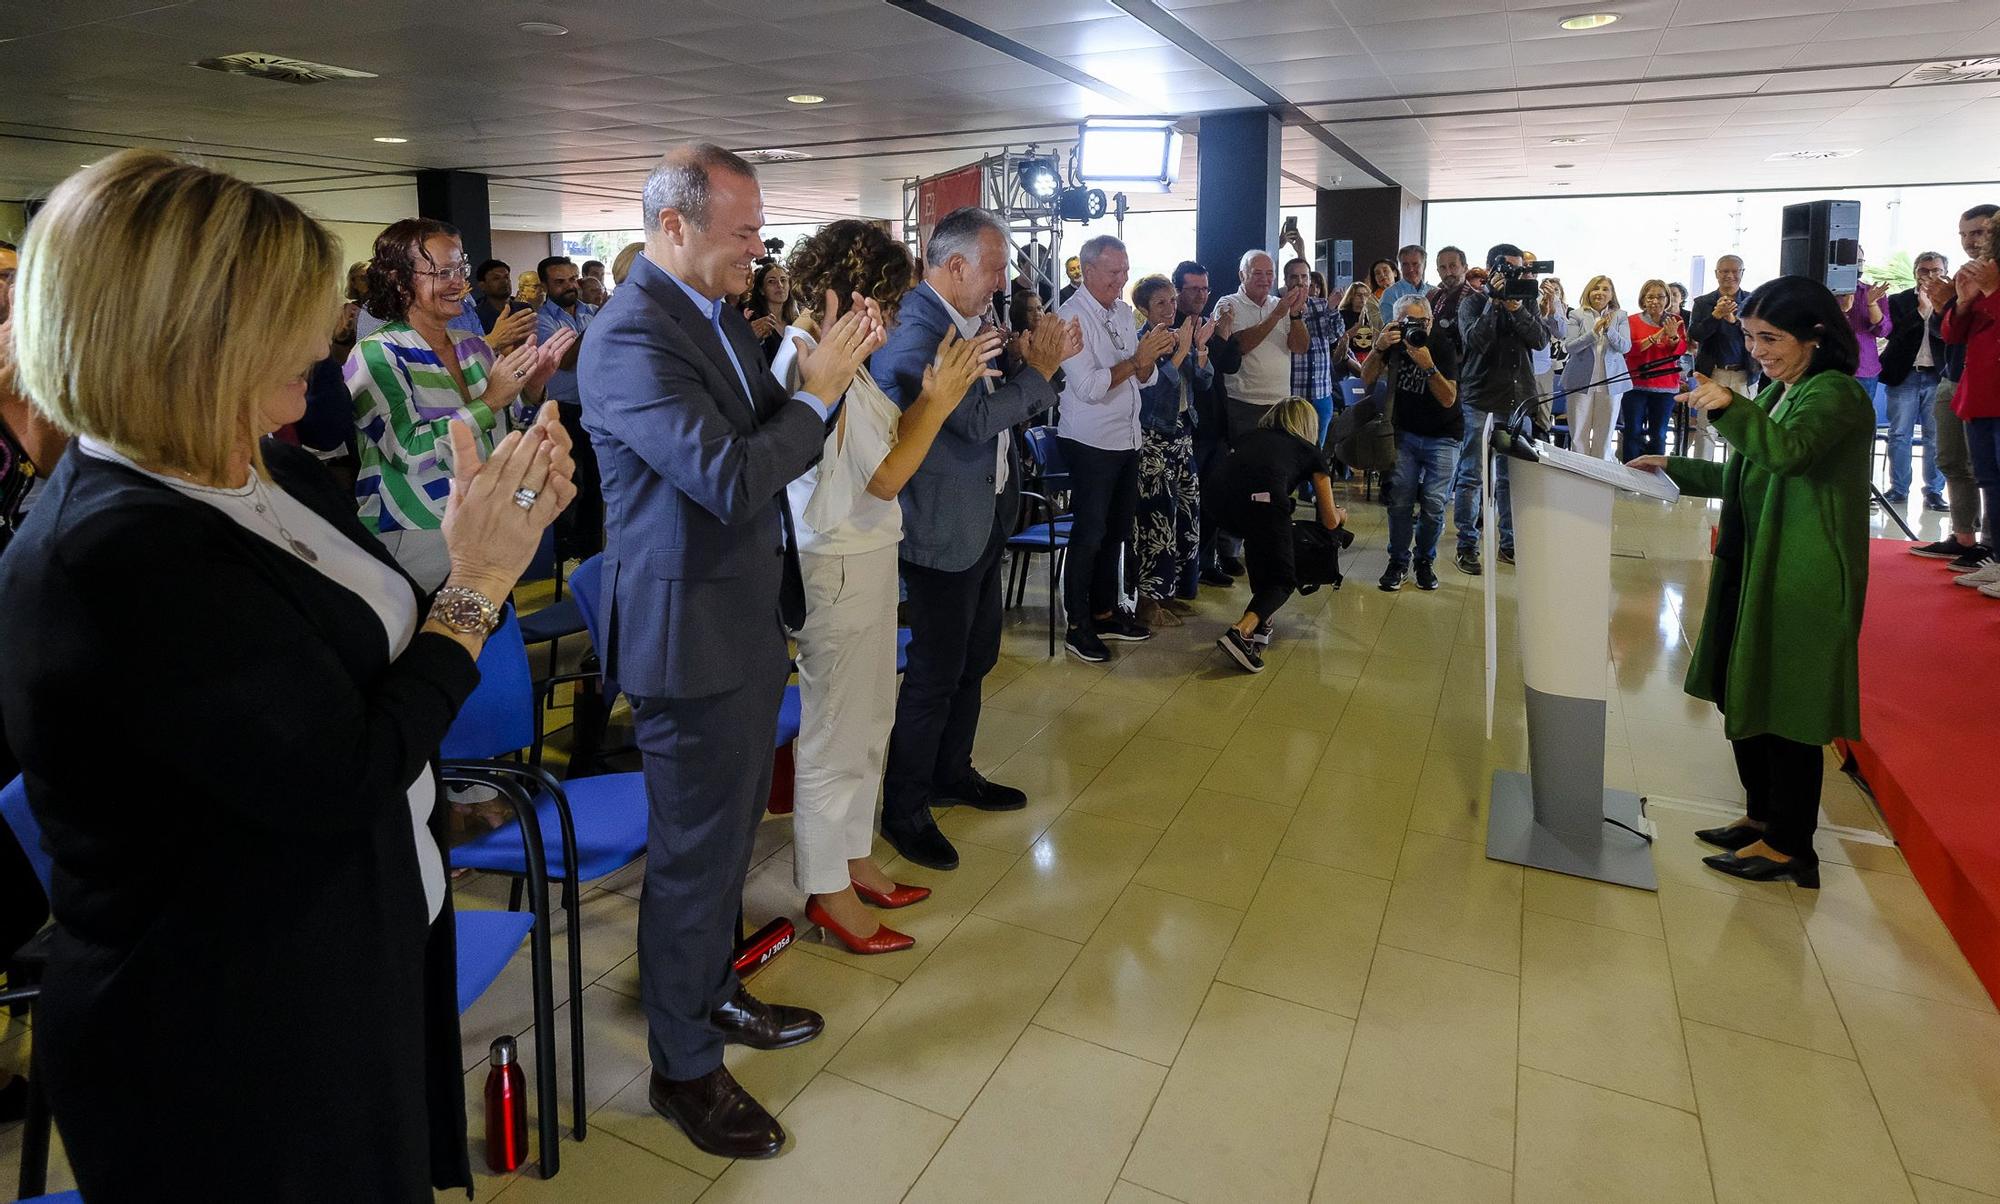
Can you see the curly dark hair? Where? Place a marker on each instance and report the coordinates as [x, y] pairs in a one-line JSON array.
[[851, 256], [392, 282]]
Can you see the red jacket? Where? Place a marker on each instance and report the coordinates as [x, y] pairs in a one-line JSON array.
[[1977, 326], [1668, 379]]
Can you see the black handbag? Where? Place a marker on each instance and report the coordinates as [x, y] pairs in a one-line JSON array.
[[1316, 554], [1364, 435]]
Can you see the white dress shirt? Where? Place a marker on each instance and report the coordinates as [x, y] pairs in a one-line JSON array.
[[968, 328], [1095, 411]]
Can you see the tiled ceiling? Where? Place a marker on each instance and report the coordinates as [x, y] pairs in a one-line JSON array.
[[1450, 98]]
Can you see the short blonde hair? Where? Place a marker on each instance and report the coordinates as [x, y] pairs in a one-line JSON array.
[[621, 264], [161, 302], [1590, 286], [1294, 414]]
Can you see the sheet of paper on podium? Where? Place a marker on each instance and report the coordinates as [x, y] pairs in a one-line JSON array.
[[1643, 482]]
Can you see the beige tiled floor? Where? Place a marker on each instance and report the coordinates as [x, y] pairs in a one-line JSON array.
[[1244, 945]]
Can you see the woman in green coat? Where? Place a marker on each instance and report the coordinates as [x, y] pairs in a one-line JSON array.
[[1779, 650]]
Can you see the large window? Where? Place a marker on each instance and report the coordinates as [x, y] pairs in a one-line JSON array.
[[1679, 238]]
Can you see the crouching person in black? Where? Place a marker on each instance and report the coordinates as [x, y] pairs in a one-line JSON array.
[[1253, 494]]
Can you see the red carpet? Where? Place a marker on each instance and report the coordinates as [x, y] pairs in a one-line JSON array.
[[1930, 720]]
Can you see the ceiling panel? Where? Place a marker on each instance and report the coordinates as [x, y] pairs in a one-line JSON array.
[[1449, 97]]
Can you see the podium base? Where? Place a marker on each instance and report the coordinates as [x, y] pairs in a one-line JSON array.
[[1610, 855]]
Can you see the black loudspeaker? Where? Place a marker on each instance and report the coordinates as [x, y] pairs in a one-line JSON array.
[[1822, 240], [1336, 263]]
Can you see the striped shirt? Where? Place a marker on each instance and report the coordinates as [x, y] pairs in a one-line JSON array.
[[404, 400]]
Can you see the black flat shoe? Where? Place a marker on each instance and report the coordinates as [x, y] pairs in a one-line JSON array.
[[1734, 837], [1763, 869], [717, 1114], [926, 847], [748, 1020], [976, 791]]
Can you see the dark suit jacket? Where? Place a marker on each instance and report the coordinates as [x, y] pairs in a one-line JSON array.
[[1702, 330], [949, 506], [700, 568], [234, 873], [1907, 330]]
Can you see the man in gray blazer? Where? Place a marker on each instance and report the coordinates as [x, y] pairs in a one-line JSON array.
[[958, 510], [696, 441]]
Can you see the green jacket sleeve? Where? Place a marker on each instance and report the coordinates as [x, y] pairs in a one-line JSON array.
[[1822, 413], [1696, 478]]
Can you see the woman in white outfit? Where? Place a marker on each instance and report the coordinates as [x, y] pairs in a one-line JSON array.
[[849, 523], [1597, 339]]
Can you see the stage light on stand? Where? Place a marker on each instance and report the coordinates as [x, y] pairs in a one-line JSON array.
[[1129, 154], [1082, 204], [1040, 179]]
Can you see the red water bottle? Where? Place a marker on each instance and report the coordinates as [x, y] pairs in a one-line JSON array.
[[506, 1109]]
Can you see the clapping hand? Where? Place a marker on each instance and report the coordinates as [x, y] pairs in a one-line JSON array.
[[1295, 300], [848, 341], [1725, 309], [1157, 342], [1224, 323], [1975, 278], [512, 330], [490, 534], [1052, 341], [1603, 320], [1938, 292], [959, 363], [1707, 395], [1876, 292], [764, 326]]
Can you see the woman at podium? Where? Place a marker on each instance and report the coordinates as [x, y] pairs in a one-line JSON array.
[[1778, 652]]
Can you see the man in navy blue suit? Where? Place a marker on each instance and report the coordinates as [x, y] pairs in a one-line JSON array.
[[958, 510], [695, 442]]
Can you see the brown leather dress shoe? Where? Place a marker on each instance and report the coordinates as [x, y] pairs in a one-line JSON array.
[[718, 1116], [747, 1020]]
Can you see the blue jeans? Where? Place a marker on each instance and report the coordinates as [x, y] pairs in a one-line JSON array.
[[1644, 419], [1465, 511], [1323, 406], [1425, 466], [1909, 405]]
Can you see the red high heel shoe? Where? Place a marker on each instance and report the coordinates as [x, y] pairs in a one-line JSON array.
[[901, 896], [885, 939]]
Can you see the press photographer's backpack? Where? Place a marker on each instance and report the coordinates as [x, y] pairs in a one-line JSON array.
[[1364, 435], [1316, 554]]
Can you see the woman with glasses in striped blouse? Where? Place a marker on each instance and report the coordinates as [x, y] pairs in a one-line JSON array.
[[411, 378]]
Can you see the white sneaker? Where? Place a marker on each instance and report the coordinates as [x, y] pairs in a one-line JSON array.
[[1991, 589], [1986, 574]]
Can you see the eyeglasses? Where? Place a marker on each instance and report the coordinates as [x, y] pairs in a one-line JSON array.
[[451, 271]]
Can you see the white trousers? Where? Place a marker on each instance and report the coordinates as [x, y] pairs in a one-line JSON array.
[[1590, 415], [847, 704]]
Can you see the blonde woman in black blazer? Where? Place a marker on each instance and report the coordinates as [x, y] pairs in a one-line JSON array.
[[225, 700]]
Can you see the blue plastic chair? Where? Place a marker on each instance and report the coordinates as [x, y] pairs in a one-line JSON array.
[[1050, 468], [1049, 537], [594, 826]]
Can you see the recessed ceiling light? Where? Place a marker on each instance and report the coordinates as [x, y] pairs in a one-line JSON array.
[[1811, 155], [806, 98], [1567, 140], [1564, 166], [546, 29], [392, 140], [1588, 21], [1562, 183], [775, 155]]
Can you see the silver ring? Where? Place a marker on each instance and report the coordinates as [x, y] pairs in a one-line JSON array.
[[525, 498], [520, 374]]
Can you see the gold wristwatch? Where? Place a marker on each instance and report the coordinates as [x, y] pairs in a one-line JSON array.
[[466, 611]]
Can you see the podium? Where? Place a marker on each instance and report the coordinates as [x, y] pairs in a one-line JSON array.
[[1559, 816]]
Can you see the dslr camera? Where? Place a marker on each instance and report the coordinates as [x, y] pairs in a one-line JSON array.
[[1414, 332], [1516, 282]]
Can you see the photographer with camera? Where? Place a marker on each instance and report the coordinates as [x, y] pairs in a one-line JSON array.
[[1496, 377], [1422, 365]]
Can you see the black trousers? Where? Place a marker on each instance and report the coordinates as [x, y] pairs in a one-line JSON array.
[[1104, 503], [954, 642], [708, 778], [580, 528], [1266, 531], [1208, 456], [1781, 780]]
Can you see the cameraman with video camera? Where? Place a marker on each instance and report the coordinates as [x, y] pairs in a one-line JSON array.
[[1422, 364], [1497, 377]]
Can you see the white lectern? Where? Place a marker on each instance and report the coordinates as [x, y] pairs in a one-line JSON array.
[[1559, 815]]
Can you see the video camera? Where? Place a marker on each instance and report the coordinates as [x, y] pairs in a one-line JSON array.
[[1516, 282]]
